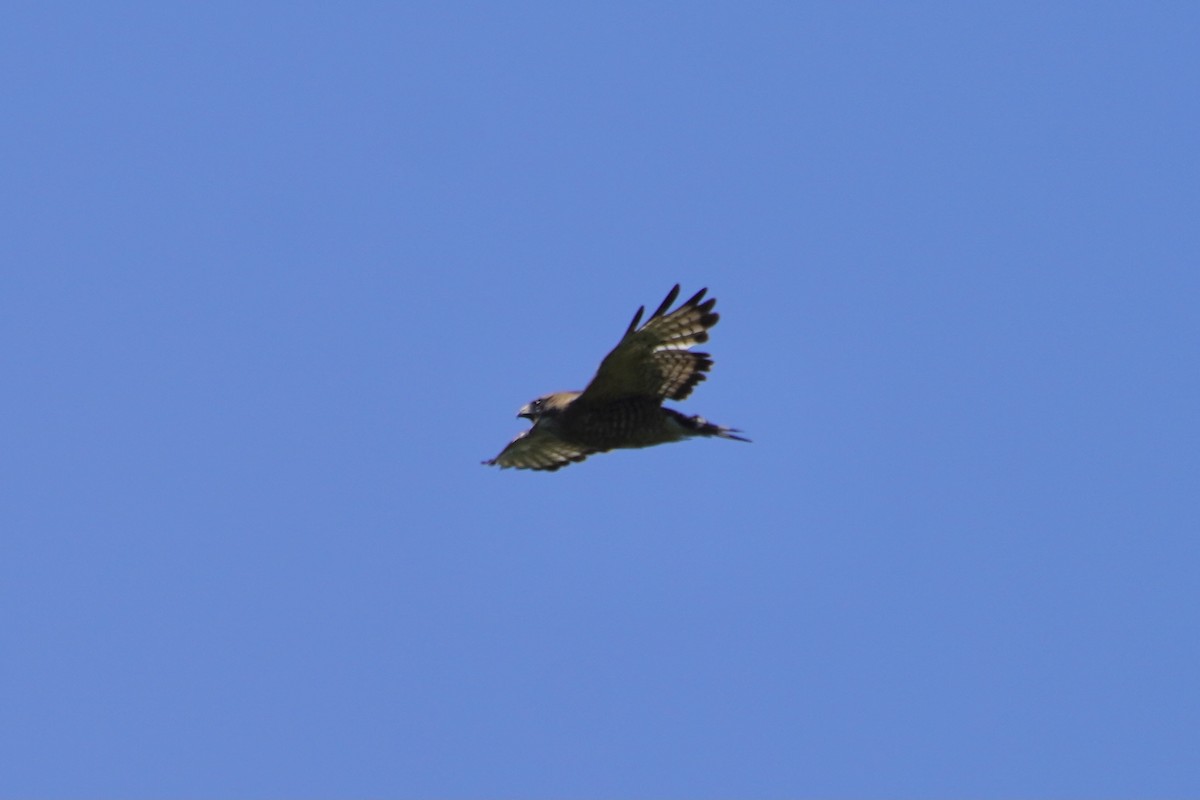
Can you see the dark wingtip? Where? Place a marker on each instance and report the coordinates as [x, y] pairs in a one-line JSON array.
[[636, 319], [671, 295]]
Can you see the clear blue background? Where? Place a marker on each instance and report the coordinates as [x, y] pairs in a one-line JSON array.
[[276, 277]]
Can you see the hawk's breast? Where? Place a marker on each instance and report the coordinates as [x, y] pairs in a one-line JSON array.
[[629, 422]]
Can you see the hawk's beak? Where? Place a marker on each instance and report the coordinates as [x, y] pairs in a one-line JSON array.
[[525, 412]]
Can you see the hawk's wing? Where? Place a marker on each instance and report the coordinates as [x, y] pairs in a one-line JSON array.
[[537, 449], [654, 360]]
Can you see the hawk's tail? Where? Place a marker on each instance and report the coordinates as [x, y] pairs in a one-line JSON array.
[[699, 426]]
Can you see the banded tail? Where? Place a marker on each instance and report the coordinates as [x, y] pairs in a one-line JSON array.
[[699, 426]]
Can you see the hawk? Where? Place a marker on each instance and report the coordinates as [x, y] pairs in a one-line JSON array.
[[623, 405]]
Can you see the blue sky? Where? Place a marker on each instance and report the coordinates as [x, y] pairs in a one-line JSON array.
[[278, 276]]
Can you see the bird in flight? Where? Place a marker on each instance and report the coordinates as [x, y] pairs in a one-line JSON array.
[[623, 405]]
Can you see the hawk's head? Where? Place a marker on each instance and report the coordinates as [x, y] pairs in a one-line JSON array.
[[550, 405]]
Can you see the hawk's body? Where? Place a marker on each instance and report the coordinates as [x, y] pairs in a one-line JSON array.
[[622, 406]]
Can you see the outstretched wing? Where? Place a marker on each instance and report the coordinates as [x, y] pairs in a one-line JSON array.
[[537, 449], [654, 360]]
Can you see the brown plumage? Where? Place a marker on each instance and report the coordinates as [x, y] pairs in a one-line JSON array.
[[622, 406]]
